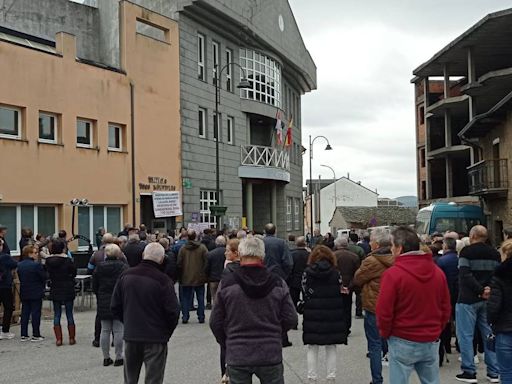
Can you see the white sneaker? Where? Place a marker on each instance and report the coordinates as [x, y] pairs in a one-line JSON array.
[[24, 338], [385, 361], [37, 338], [6, 335]]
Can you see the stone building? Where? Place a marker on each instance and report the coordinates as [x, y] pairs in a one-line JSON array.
[[467, 125]]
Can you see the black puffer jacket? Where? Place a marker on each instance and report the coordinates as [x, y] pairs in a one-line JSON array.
[[104, 280], [499, 305], [62, 274], [325, 322]]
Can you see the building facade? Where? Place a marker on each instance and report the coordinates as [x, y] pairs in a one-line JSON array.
[[342, 192], [468, 143], [72, 127]]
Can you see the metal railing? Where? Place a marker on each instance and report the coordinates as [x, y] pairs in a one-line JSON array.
[[488, 176], [259, 156]]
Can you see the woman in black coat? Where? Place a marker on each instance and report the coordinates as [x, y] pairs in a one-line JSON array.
[[324, 319], [104, 280], [499, 312], [62, 274]]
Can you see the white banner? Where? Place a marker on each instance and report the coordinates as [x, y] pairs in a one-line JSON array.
[[198, 227], [166, 204]]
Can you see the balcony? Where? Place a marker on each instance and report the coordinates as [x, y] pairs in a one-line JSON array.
[[258, 162], [489, 177]]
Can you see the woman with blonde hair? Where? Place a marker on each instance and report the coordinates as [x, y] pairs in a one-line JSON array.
[[499, 312], [325, 322]]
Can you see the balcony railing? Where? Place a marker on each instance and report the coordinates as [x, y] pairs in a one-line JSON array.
[[488, 177], [259, 156]]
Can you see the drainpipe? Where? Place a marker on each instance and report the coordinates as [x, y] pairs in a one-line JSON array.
[[132, 134]]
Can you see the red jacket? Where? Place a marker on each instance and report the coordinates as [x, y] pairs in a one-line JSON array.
[[414, 301]]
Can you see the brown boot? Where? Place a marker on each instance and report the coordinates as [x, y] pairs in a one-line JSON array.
[[71, 330], [57, 329]]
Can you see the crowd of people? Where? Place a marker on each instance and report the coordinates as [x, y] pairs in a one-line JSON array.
[[417, 297]]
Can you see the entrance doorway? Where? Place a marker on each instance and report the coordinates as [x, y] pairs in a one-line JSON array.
[[147, 217]]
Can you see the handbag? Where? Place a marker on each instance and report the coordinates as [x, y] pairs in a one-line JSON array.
[[300, 307]]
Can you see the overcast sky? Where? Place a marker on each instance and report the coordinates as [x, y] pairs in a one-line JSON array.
[[365, 52]]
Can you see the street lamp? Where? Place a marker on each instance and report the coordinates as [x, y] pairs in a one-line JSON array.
[[335, 180], [217, 210], [327, 148]]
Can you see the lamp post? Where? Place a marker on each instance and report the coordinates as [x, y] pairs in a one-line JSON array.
[[335, 180], [327, 148], [217, 210]]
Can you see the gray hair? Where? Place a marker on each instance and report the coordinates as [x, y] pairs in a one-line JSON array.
[[164, 243], [133, 237], [381, 236], [341, 242], [154, 252], [113, 250], [300, 241], [220, 241], [252, 247], [107, 238], [241, 234]]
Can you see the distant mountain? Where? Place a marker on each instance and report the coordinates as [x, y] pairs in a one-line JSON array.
[[408, 201]]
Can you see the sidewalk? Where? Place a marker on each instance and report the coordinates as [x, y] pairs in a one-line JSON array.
[[193, 358]]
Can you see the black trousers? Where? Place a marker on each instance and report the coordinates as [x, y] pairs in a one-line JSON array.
[[6, 299], [97, 328], [153, 356], [295, 295], [359, 304]]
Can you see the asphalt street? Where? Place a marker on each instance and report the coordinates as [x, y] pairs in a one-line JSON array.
[[193, 358]]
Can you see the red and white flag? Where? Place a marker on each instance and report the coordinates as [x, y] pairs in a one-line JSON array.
[[288, 139]]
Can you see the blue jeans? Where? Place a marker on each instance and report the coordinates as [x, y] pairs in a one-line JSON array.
[[504, 356], [467, 316], [405, 355], [31, 308], [57, 312], [374, 346], [188, 301]]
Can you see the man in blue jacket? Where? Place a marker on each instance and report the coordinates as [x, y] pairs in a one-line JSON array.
[[7, 264], [32, 283]]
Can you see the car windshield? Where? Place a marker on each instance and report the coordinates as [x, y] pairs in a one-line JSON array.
[[455, 224]]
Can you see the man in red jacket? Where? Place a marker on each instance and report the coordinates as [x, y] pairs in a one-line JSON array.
[[412, 309]]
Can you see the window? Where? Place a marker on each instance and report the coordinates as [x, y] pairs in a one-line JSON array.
[[296, 215], [289, 202], [215, 52], [92, 217], [230, 127], [229, 59], [47, 128], [41, 219], [115, 137], [201, 115], [84, 133], [206, 199], [217, 128], [421, 113], [423, 190], [264, 75], [10, 122], [201, 74], [422, 157]]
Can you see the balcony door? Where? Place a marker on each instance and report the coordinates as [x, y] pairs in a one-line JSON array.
[[496, 182]]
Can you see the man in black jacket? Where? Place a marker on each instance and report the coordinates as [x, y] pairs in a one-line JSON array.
[[145, 302], [134, 249], [215, 265], [300, 256], [477, 263]]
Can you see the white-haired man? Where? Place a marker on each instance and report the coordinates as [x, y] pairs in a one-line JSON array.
[[252, 310], [145, 302]]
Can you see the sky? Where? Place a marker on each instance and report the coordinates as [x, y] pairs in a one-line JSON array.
[[365, 52]]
